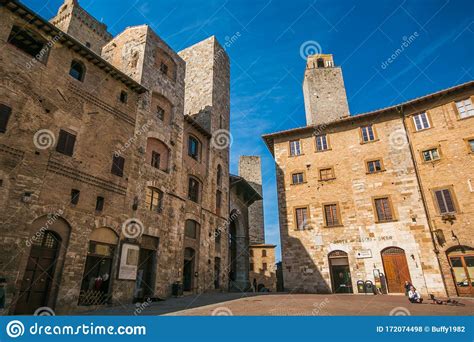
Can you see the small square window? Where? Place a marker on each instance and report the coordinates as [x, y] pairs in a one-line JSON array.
[[421, 121], [471, 145], [66, 143], [160, 113], [465, 108], [164, 68], [322, 143], [295, 148], [326, 174], [123, 97], [75, 196], [374, 166], [155, 159], [367, 133], [431, 155], [99, 204], [297, 178]]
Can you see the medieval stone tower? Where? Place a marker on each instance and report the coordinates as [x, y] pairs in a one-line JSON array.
[[75, 21], [250, 168], [324, 92]]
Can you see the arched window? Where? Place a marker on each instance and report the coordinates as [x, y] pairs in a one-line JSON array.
[[77, 70], [157, 154], [219, 175], [191, 229], [194, 189]]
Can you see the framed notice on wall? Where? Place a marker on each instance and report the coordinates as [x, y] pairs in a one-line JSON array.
[[128, 262]]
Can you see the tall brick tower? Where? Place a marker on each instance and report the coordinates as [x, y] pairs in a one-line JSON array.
[[75, 21], [250, 168], [324, 92]]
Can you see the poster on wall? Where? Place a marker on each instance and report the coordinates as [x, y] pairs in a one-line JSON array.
[[128, 262]]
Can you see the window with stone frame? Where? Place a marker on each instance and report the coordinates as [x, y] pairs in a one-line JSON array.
[[445, 201], [331, 215], [191, 229], [77, 70], [322, 143], [5, 113], [154, 199], [194, 189], [118, 164], [465, 108], [66, 142], [297, 178], [326, 174], [99, 203], [193, 147], [367, 133], [301, 218], [471, 145], [383, 208], [75, 194], [295, 148], [264, 266], [421, 121], [431, 155], [374, 166], [123, 97], [264, 253]]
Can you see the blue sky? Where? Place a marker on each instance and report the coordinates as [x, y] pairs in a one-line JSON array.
[[266, 61]]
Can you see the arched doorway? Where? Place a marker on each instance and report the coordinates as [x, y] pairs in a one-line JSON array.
[[95, 288], [233, 251], [461, 260], [188, 269], [35, 288], [396, 269], [340, 272]]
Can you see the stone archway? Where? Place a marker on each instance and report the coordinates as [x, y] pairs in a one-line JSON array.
[[238, 255], [48, 242]]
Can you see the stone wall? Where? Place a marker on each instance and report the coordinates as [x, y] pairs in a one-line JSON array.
[[305, 252], [250, 168], [264, 274], [324, 93]]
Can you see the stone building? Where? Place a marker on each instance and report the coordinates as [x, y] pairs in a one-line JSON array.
[[384, 196], [113, 183]]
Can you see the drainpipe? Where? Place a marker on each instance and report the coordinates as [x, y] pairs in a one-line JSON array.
[[401, 111]]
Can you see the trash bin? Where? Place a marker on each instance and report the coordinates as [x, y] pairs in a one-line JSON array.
[[360, 286], [177, 289], [369, 287]]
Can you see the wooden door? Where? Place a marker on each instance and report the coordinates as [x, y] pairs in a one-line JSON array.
[[36, 284], [396, 269]]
